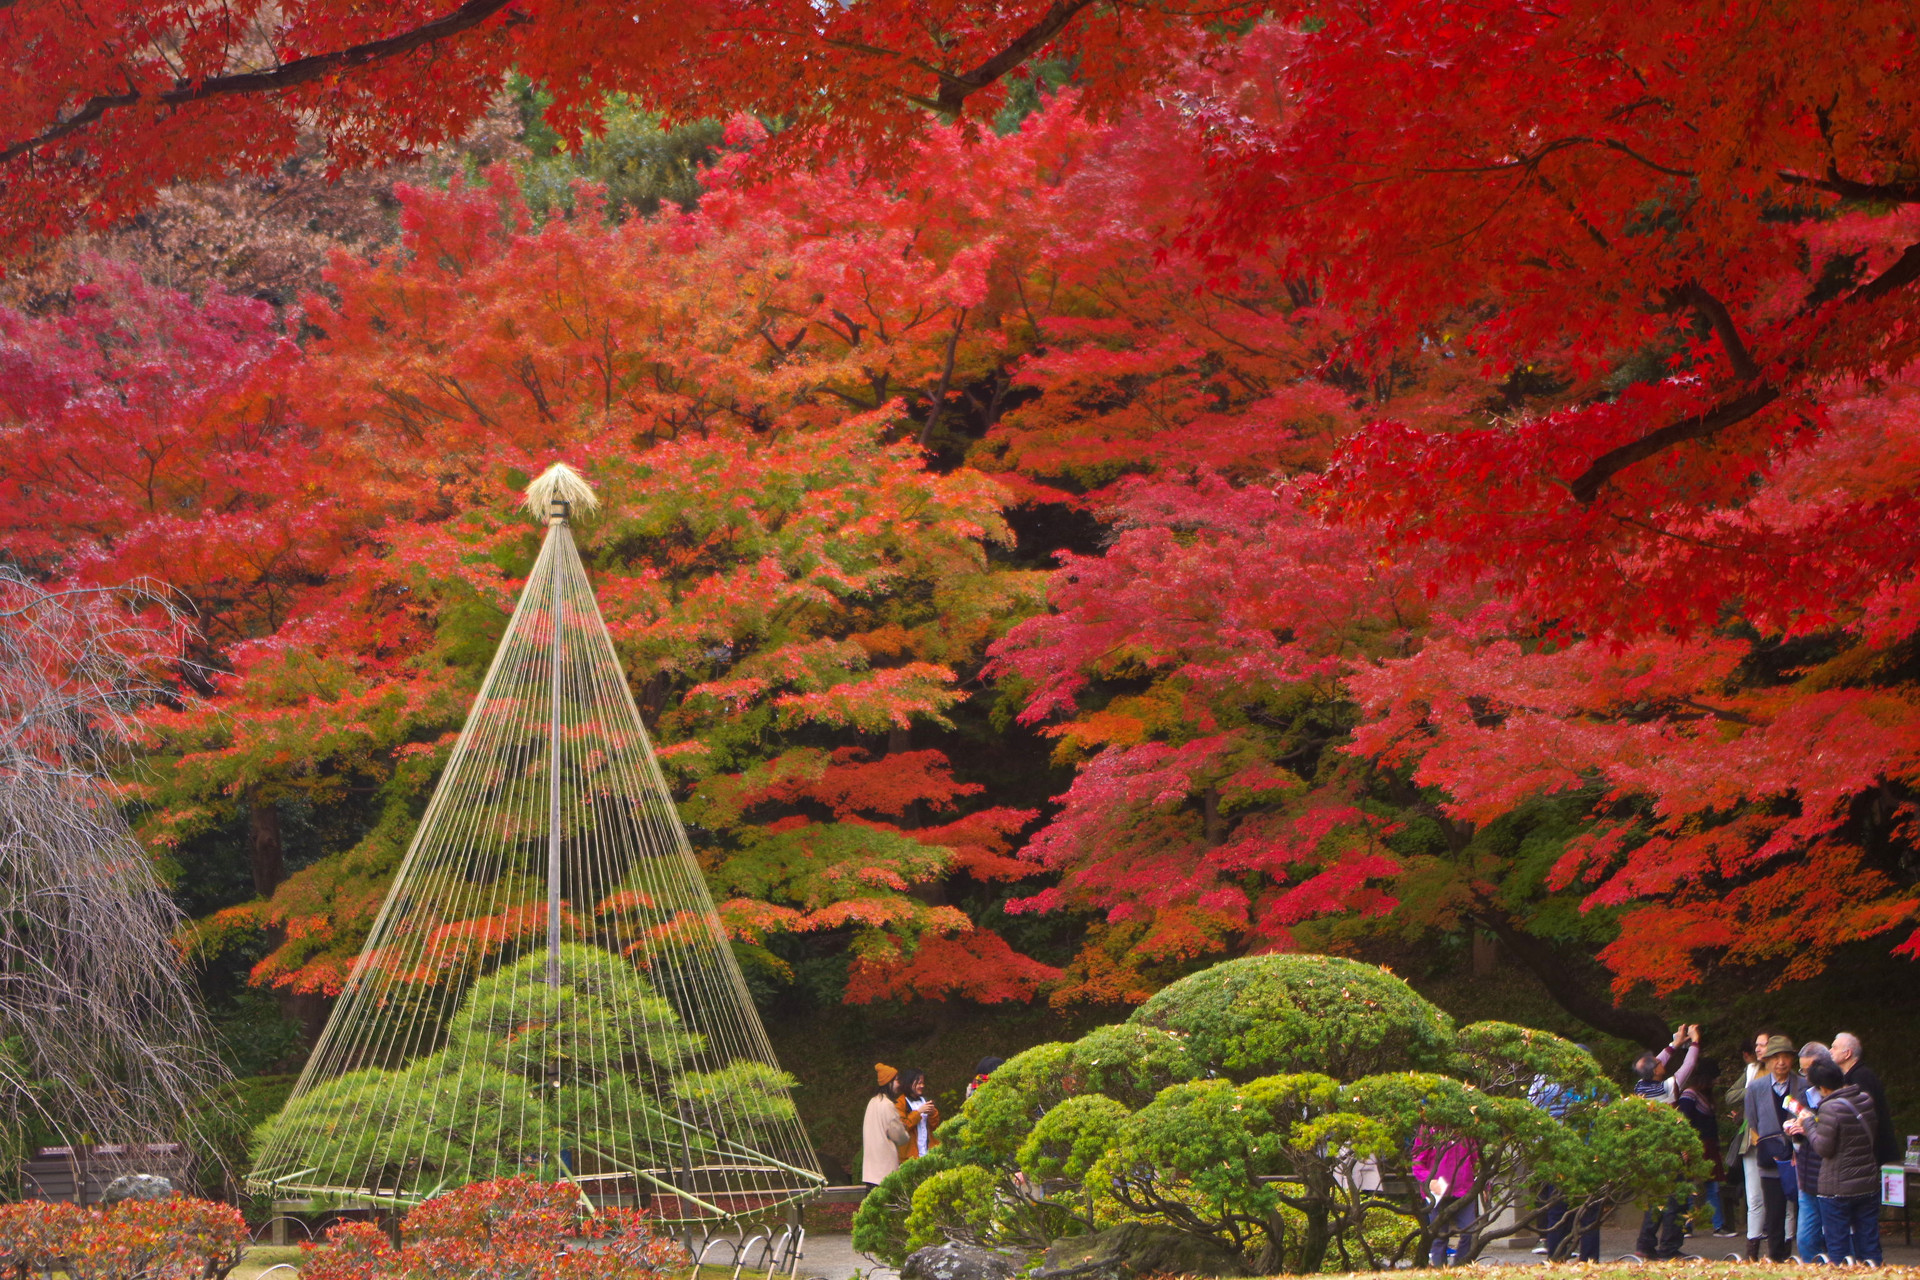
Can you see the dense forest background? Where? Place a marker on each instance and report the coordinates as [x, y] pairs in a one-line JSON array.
[[969, 543]]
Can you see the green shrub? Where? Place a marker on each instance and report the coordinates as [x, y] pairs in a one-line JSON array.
[[1126, 1062], [513, 1069], [1068, 1140], [1280, 1014], [1227, 1159], [1272, 1105], [880, 1225], [1505, 1059], [954, 1203], [1022, 1089]]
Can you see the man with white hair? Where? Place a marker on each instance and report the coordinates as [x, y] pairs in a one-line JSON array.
[[1846, 1056]]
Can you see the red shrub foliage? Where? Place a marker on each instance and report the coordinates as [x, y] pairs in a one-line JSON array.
[[509, 1229], [181, 1238]]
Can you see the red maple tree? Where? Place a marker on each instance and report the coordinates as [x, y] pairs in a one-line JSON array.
[[1499, 417], [117, 98]]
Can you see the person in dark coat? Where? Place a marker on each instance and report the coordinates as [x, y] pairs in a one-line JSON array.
[[1846, 1055], [1696, 1105], [1766, 1111], [1843, 1134]]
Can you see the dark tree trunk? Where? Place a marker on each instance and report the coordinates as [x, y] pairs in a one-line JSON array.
[[264, 853], [1560, 975]]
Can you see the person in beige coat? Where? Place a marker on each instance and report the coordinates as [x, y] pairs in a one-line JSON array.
[[881, 1132]]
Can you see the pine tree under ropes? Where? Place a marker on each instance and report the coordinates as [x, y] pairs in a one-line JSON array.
[[547, 990]]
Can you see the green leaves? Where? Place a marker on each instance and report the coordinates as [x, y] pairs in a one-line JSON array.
[[1071, 1138], [1170, 1119], [1280, 1013], [1509, 1060]]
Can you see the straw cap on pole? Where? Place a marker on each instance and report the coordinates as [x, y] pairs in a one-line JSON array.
[[556, 491]]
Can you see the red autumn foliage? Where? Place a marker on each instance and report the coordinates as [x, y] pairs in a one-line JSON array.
[[508, 1229], [1493, 413], [1694, 225], [1740, 812], [178, 1238], [118, 99]]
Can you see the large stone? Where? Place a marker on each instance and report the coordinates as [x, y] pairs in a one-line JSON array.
[[136, 1186], [959, 1262], [1134, 1250]]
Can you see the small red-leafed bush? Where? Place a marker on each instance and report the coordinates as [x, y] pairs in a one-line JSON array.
[[35, 1236], [510, 1229], [179, 1238]]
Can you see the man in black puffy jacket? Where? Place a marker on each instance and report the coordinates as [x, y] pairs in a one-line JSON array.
[[1846, 1055], [1849, 1172]]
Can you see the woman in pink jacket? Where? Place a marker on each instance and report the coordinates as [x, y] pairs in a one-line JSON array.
[[1443, 1168]]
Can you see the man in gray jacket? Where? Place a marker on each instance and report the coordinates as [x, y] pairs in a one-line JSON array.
[[1766, 1111], [1849, 1173]]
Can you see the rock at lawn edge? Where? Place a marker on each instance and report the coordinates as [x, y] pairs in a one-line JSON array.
[[959, 1262], [1133, 1250]]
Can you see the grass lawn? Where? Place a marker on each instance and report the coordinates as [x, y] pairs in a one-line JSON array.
[[256, 1260]]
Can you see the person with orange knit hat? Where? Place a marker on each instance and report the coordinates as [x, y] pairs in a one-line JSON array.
[[881, 1132]]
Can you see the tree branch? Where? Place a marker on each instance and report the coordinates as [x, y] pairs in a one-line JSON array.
[[954, 90], [1587, 485], [286, 76], [1848, 189], [946, 379], [1557, 975], [1715, 313]]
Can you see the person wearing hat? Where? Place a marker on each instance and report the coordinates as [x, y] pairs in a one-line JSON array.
[[1767, 1114], [881, 1133]]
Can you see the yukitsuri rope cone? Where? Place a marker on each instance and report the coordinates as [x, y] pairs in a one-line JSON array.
[[547, 990]]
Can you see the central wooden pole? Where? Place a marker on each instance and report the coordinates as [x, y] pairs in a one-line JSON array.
[[558, 531]]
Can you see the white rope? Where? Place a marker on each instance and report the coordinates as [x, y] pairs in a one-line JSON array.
[[568, 1041]]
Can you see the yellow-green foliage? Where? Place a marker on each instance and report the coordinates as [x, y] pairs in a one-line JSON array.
[[879, 1226], [1274, 1015], [953, 1201], [1068, 1140]]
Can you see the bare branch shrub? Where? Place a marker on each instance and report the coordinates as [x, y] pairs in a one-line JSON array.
[[101, 1034]]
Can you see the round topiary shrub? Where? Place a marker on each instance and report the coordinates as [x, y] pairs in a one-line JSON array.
[[1280, 1014], [1129, 1062]]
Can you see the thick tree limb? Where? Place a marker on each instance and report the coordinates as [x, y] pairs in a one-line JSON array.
[[1715, 313], [954, 90], [946, 379], [1587, 485], [1848, 189], [286, 76], [1558, 975], [957, 86]]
